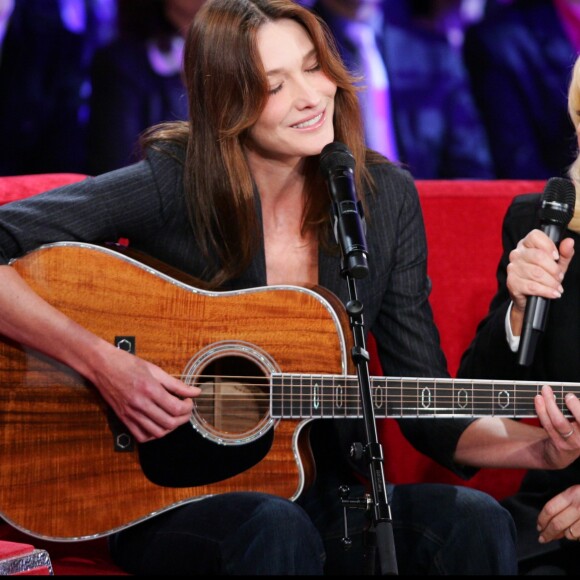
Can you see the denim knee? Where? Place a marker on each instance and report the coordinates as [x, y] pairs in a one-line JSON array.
[[278, 539]]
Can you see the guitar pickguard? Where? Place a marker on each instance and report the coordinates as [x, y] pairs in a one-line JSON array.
[[231, 429]]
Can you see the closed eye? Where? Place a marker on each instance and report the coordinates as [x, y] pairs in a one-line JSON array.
[[315, 68], [278, 88]]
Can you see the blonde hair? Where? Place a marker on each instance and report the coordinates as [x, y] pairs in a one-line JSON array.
[[574, 113]]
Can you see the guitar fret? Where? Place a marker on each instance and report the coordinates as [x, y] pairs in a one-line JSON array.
[[481, 405], [288, 404], [327, 397], [276, 396], [394, 403], [443, 397], [356, 409], [528, 404], [303, 409], [409, 393], [560, 398]]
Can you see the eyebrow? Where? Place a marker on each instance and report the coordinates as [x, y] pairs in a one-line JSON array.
[[307, 56]]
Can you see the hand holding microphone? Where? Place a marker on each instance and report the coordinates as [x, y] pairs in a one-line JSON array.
[[556, 211], [337, 165]]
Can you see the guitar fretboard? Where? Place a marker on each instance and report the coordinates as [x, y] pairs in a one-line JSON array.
[[297, 396]]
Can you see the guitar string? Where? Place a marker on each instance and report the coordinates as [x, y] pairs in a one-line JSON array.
[[347, 398], [382, 384], [342, 379]]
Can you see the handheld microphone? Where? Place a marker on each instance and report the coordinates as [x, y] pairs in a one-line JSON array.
[[556, 211], [337, 165]]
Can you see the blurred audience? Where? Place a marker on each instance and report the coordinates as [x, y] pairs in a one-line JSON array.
[[455, 88], [136, 79], [447, 17], [437, 127], [44, 58], [520, 59]]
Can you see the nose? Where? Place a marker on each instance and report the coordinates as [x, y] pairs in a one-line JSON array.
[[306, 94]]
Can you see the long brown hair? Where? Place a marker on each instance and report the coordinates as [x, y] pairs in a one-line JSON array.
[[227, 90]]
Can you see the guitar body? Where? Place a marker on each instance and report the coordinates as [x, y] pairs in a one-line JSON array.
[[69, 470]]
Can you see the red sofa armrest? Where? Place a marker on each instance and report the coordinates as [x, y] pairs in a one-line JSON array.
[[17, 187]]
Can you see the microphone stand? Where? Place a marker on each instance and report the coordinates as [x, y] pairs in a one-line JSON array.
[[337, 165], [380, 533]]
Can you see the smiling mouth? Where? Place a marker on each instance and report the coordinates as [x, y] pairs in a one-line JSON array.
[[309, 123]]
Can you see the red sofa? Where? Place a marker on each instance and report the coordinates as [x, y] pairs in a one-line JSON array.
[[463, 222]]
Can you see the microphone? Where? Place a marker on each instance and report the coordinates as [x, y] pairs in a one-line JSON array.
[[337, 166], [556, 211]]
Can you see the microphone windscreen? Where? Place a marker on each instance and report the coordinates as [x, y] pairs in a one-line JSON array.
[[335, 154], [558, 201]]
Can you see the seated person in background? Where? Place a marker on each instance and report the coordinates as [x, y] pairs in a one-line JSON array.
[[448, 17], [432, 124], [519, 61], [44, 77], [137, 80], [546, 509], [234, 196]]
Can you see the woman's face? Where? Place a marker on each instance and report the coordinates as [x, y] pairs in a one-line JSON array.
[[298, 118]]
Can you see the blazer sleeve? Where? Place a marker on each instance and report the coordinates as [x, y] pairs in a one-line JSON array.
[[489, 355]]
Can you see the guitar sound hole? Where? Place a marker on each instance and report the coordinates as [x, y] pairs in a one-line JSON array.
[[234, 405]]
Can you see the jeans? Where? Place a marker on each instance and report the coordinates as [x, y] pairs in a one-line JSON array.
[[438, 529], [230, 534]]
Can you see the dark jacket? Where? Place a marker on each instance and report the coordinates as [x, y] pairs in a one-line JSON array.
[[556, 359]]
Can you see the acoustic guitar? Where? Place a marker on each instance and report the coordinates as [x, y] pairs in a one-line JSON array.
[[269, 361]]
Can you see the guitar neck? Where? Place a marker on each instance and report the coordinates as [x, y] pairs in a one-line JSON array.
[[338, 396]]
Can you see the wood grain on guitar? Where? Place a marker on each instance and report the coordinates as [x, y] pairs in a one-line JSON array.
[[61, 477]]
